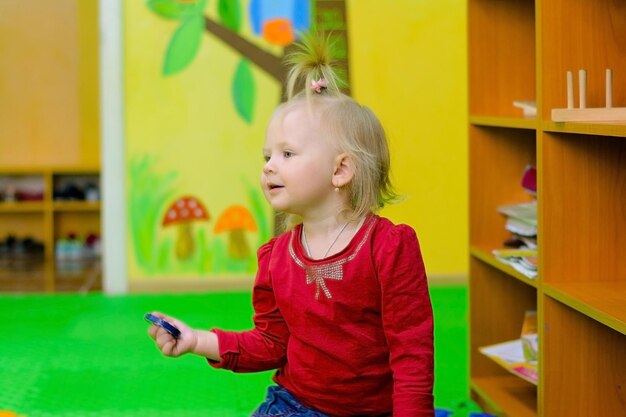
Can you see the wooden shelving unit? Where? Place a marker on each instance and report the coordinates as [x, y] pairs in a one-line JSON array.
[[520, 50], [50, 130], [46, 221]]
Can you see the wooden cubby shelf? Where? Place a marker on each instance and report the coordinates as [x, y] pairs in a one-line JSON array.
[[602, 301], [44, 221], [521, 50]]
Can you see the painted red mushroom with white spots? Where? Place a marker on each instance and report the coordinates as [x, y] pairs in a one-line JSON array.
[[182, 213]]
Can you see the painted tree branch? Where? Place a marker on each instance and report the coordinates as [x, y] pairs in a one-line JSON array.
[[331, 16], [264, 60]]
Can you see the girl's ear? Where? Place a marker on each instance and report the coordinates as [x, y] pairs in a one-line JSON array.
[[344, 170]]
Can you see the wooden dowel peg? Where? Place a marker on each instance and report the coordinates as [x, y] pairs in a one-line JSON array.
[[609, 88], [582, 88], [570, 90]]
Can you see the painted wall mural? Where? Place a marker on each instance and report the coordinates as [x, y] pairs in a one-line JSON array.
[[202, 79]]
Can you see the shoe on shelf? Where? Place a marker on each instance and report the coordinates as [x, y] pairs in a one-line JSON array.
[[70, 192], [11, 246], [92, 193], [22, 195]]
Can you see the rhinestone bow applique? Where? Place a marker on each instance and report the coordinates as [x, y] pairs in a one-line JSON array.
[[318, 273], [332, 270]]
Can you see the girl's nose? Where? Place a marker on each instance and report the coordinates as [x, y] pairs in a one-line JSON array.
[[268, 167]]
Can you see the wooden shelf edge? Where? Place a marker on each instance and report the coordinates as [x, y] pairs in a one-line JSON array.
[[76, 170], [587, 307], [486, 256], [501, 395], [76, 206], [22, 207], [616, 129], [50, 169], [40, 207], [510, 122]]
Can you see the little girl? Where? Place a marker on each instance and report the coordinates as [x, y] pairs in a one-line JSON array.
[[341, 302]]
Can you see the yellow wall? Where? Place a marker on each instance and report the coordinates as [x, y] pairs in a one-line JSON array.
[[49, 83], [407, 62]]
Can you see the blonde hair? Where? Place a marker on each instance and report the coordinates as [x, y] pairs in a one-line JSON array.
[[355, 128]]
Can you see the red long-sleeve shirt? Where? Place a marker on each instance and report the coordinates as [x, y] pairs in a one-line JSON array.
[[351, 334]]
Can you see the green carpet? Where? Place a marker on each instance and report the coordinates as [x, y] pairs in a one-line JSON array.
[[90, 355]]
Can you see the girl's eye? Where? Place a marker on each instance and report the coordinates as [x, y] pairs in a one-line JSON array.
[[287, 154], [266, 158]]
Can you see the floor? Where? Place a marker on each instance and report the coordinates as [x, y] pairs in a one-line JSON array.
[[33, 274], [89, 355]]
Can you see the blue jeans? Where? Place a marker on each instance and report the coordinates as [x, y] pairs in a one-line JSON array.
[[280, 403]]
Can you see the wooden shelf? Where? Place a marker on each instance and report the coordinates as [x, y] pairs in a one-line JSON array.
[[521, 50], [76, 205], [617, 129], [59, 138], [22, 207], [20, 170], [485, 255], [511, 122], [604, 302], [505, 395]]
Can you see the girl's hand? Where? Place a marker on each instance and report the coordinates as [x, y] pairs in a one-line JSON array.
[[167, 344]]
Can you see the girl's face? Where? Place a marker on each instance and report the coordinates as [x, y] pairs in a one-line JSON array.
[[297, 176]]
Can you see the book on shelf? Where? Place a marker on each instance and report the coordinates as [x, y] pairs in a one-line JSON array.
[[524, 212], [510, 356], [521, 221], [518, 356], [523, 260], [521, 218], [520, 227]]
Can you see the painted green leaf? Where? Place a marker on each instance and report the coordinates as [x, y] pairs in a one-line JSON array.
[[229, 14], [170, 9], [174, 9], [184, 45], [244, 90]]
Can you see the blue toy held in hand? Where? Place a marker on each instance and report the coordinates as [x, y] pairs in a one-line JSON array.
[[170, 328]]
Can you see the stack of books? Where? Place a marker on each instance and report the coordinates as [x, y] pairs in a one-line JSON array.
[[521, 248]]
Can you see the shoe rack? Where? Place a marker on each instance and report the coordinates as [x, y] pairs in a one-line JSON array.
[[522, 50], [39, 209]]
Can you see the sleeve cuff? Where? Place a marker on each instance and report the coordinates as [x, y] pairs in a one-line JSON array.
[[228, 350], [418, 405]]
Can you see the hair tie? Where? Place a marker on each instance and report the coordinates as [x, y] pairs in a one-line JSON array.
[[319, 85]]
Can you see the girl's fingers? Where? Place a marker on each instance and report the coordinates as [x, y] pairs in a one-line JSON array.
[[162, 336], [152, 331], [168, 347]]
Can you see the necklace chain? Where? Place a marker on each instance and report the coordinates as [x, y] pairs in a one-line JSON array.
[[306, 244]]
